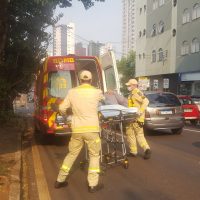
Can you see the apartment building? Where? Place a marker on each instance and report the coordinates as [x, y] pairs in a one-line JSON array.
[[71, 38], [168, 45], [94, 48], [63, 39], [128, 26], [60, 40]]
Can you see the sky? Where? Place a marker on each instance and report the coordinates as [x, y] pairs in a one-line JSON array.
[[102, 22]]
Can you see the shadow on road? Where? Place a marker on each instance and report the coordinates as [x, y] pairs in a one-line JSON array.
[[196, 144]]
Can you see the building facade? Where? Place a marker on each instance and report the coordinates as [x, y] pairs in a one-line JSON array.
[[94, 48], [64, 39], [128, 26], [168, 45], [60, 40], [105, 48], [79, 49], [71, 38]]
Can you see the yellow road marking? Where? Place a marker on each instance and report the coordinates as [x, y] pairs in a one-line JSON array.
[[42, 187]]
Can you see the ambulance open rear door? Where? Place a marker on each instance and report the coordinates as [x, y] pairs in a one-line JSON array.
[[110, 72]]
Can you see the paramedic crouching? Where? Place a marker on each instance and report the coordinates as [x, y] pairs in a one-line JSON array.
[[134, 130], [84, 101]]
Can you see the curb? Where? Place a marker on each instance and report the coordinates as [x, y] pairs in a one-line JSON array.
[[15, 186]]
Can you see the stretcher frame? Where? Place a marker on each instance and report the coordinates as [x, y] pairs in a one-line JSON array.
[[112, 135], [111, 130]]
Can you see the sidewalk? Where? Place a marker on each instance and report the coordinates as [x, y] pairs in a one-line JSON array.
[[10, 161]]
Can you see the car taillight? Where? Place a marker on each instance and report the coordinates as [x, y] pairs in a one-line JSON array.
[[147, 114], [45, 115]]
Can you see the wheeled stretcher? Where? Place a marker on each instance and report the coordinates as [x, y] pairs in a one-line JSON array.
[[112, 121]]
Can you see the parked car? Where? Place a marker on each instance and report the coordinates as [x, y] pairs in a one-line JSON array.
[[191, 111], [196, 100], [164, 112]]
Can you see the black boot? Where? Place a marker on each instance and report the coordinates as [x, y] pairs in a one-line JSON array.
[[96, 188], [60, 184], [147, 154]]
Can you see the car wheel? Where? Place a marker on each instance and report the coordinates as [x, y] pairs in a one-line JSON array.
[[177, 131], [194, 122]]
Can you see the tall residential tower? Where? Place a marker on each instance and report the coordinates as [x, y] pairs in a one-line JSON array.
[[63, 39], [128, 26]]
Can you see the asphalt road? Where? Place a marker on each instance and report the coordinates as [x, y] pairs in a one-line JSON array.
[[173, 172]]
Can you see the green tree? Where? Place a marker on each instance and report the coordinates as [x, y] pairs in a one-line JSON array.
[[126, 68], [24, 42]]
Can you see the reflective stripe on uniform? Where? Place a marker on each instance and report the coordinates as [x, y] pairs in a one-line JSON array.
[[133, 149], [97, 140], [85, 86], [65, 168], [86, 128], [144, 145], [94, 170]]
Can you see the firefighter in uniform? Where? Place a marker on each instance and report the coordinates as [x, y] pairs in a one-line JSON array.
[[134, 130], [83, 101]]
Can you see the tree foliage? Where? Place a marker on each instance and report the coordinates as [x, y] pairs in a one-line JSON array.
[[24, 42], [126, 68]]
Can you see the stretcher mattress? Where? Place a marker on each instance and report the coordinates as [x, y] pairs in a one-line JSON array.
[[108, 111]]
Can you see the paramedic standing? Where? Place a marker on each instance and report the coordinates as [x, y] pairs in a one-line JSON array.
[[134, 130], [84, 101]]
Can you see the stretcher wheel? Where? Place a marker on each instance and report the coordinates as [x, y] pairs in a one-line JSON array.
[[107, 158], [125, 164]]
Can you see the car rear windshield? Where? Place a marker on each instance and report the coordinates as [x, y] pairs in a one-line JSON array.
[[196, 100], [185, 101], [163, 100]]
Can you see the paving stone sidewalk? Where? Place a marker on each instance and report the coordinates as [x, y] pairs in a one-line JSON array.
[[10, 162]]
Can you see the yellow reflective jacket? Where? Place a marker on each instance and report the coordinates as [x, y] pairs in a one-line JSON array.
[[138, 100], [84, 101]]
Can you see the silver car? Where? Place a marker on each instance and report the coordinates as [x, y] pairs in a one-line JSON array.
[[164, 112]]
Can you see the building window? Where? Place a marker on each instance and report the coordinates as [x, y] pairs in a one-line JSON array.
[[161, 27], [185, 48], [186, 16], [161, 2], [143, 55], [195, 47], [153, 56], [160, 54], [144, 32], [140, 11], [153, 32], [196, 11], [140, 56], [174, 3], [155, 4], [145, 8], [140, 34]]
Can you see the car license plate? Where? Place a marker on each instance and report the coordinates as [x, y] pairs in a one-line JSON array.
[[166, 112], [187, 110]]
